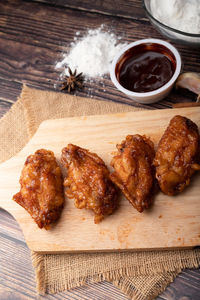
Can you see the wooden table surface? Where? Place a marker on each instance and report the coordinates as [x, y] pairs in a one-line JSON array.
[[33, 36]]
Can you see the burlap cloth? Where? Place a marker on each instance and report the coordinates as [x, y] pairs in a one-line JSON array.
[[140, 275]]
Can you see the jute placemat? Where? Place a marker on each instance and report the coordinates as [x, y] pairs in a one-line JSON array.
[[140, 275]]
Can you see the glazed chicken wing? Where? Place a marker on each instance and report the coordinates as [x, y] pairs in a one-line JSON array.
[[177, 156], [133, 170], [41, 192], [88, 181]]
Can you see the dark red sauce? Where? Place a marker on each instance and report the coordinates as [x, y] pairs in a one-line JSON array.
[[145, 67]]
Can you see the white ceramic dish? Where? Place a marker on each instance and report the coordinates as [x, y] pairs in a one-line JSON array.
[[153, 96]]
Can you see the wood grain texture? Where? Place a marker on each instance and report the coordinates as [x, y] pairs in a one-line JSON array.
[[136, 231], [18, 283], [17, 275], [4, 107], [33, 37], [19, 21], [181, 287], [9, 89], [126, 9]]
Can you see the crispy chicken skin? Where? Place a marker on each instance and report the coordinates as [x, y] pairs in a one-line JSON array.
[[88, 182], [177, 156], [133, 170], [41, 192]]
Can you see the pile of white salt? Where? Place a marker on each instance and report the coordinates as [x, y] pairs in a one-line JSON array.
[[93, 53]]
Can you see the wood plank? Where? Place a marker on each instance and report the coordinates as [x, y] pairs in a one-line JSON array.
[[107, 130], [126, 9], [181, 288], [20, 267], [17, 274], [30, 45], [4, 107], [8, 91]]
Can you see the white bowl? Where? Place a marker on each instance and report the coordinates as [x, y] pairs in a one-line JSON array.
[[181, 37], [153, 96]]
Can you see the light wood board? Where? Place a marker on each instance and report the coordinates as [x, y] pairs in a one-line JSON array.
[[171, 222]]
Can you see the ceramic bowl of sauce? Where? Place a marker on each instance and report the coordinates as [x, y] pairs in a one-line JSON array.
[[146, 70]]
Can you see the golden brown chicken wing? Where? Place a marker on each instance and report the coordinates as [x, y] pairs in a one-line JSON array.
[[177, 156], [88, 181], [133, 170], [41, 192]]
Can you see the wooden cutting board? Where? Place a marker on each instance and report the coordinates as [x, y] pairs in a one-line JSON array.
[[170, 223]]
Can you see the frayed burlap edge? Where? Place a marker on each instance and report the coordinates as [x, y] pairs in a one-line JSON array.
[[125, 278], [129, 289], [13, 131], [64, 106], [38, 264], [184, 259]]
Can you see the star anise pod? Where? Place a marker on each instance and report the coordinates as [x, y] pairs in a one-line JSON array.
[[72, 81]]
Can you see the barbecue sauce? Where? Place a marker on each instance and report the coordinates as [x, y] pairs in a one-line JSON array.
[[145, 68]]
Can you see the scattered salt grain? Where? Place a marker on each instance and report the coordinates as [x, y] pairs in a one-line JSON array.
[[93, 53]]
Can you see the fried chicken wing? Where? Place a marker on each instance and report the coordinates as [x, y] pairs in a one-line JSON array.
[[41, 192], [133, 170], [177, 156], [88, 181]]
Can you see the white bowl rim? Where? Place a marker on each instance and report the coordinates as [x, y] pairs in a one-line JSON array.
[[171, 29], [157, 91]]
